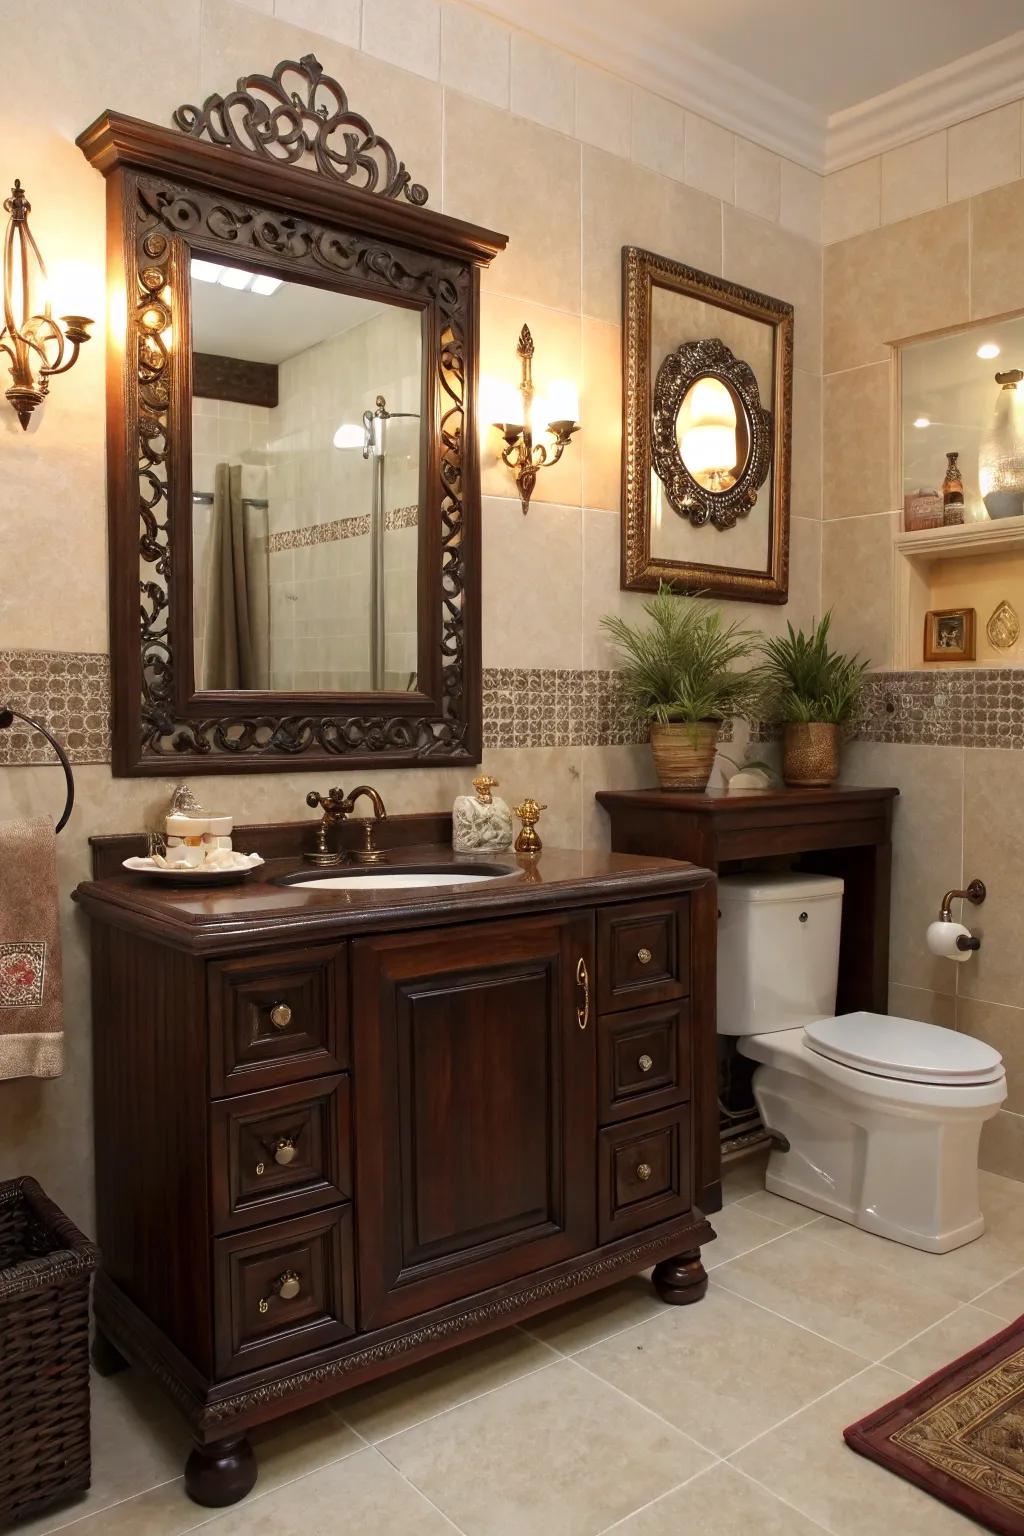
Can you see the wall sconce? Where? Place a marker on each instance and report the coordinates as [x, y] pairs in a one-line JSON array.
[[554, 414], [37, 345]]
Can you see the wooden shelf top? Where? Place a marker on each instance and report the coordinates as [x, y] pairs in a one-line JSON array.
[[711, 802]]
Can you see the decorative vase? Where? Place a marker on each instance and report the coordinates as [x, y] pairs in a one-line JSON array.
[[684, 753], [1001, 460], [811, 754]]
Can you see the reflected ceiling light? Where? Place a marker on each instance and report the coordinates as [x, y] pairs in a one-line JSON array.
[[350, 435], [265, 285], [206, 271], [234, 277], [922, 421], [988, 349]]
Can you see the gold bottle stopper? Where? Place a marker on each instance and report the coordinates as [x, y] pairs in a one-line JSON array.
[[483, 786], [529, 815]]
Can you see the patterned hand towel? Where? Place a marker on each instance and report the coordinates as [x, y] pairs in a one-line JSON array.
[[31, 997]]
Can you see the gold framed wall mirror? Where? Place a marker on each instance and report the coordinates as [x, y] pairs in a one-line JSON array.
[[707, 374], [293, 476]]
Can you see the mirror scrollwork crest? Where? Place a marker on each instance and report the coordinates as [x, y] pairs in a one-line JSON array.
[[707, 385], [292, 469]]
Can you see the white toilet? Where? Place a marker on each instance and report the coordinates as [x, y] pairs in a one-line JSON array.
[[878, 1117]]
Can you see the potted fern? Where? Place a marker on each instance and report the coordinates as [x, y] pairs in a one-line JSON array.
[[814, 692], [682, 674]]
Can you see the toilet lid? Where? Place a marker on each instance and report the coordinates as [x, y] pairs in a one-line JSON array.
[[904, 1048]]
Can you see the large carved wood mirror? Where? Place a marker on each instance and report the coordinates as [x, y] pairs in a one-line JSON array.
[[707, 404], [292, 458]]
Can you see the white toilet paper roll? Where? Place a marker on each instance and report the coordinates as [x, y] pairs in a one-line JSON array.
[[942, 937]]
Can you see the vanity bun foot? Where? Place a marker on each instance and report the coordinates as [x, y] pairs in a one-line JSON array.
[[107, 1360], [682, 1279], [220, 1473]]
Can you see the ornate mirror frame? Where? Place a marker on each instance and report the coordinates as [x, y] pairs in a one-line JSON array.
[[649, 411], [282, 176]]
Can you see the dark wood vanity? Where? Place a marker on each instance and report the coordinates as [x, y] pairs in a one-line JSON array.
[[338, 1132]]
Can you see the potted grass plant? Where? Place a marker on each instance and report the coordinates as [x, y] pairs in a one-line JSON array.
[[682, 673], [813, 691]]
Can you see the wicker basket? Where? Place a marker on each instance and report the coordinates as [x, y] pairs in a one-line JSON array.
[[684, 753], [45, 1268]]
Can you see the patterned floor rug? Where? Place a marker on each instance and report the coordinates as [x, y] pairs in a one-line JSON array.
[[960, 1434]]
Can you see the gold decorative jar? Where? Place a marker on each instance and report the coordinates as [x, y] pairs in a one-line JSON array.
[[684, 753], [810, 754]]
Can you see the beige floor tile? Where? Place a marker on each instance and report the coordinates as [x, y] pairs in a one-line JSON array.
[[962, 1274], [397, 1402], [363, 1495], [844, 1297], [581, 1323], [1006, 1301], [784, 1213], [558, 1452], [806, 1462], [745, 1176], [722, 1371], [738, 1230], [945, 1342], [720, 1502]]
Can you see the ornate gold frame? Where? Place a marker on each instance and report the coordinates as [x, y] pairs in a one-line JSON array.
[[642, 271]]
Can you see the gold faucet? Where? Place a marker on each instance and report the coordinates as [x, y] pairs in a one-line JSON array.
[[337, 807]]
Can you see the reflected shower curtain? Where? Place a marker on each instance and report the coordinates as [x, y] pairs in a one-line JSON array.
[[236, 651]]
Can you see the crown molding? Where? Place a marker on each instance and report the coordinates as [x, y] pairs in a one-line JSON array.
[[979, 82], [669, 66]]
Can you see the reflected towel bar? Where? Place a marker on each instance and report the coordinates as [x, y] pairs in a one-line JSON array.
[[205, 499], [7, 719]]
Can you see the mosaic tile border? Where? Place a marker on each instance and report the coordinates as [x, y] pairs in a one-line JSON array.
[[340, 528], [68, 692]]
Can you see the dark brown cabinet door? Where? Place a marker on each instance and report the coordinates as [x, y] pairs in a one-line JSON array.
[[474, 1051]]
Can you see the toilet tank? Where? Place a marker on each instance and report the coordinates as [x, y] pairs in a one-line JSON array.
[[778, 951]]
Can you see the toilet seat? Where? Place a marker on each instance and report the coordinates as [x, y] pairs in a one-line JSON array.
[[906, 1049]]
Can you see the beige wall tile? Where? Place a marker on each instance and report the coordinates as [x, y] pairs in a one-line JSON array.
[[758, 180], [897, 281], [928, 1007], [600, 443], [914, 178], [603, 110], [610, 768], [856, 583], [404, 32], [475, 54], [543, 83], [806, 491], [801, 201], [777, 262], [984, 151], [333, 18], [627, 205], [552, 776], [709, 158], [997, 226], [657, 133], [1001, 1027], [852, 200], [601, 590], [1002, 1145], [994, 852], [531, 585], [857, 462], [518, 177]]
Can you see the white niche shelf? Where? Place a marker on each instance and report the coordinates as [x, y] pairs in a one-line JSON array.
[[970, 565]]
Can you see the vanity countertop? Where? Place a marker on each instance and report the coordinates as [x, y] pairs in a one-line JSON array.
[[231, 918]]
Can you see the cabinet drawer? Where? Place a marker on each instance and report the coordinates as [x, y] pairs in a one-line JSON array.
[[277, 1018], [283, 1290], [643, 1060], [280, 1152], [644, 1174], [643, 953]]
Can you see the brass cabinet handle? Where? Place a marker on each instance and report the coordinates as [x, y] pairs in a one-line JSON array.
[[644, 955], [284, 1151], [287, 1286], [645, 1062], [583, 981], [280, 1015], [643, 1172]]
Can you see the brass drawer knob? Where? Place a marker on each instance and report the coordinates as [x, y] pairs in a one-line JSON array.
[[645, 1062], [284, 1151], [644, 955], [643, 1172], [280, 1015], [286, 1286]]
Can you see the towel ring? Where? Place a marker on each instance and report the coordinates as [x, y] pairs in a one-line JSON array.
[[7, 719]]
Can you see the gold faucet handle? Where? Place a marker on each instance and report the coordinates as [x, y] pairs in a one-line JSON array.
[[528, 840], [483, 786]]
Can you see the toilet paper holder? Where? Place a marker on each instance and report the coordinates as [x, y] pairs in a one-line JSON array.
[[976, 893]]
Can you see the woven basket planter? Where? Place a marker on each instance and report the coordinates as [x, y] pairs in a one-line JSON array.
[[45, 1269], [684, 754]]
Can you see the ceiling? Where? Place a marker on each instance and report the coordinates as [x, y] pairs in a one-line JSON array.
[[271, 328]]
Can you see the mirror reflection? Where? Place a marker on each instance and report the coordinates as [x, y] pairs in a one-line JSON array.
[[710, 430], [306, 471]]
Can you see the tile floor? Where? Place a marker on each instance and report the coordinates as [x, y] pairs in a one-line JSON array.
[[615, 1413]]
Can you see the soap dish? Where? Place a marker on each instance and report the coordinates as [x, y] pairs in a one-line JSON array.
[[201, 874]]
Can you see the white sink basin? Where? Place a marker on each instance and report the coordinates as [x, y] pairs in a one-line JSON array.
[[399, 880]]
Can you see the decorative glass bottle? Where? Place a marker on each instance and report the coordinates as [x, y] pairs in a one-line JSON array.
[[1001, 460], [953, 491]]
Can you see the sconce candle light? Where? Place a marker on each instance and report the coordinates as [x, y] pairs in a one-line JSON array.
[[556, 415], [37, 345]]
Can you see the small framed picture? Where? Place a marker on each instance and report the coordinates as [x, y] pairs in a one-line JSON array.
[[949, 634]]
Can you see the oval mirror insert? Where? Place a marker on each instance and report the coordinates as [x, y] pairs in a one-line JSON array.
[[712, 434]]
